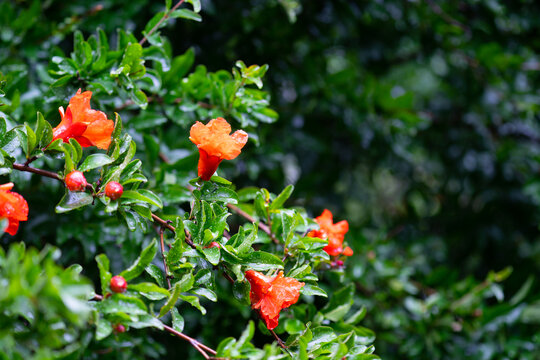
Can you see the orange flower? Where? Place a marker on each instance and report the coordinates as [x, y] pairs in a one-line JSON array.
[[271, 294], [335, 233], [215, 144], [89, 127], [12, 207]]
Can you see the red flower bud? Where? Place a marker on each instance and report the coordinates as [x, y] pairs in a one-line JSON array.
[[119, 328], [114, 190], [213, 244], [339, 263], [348, 251], [75, 181], [118, 284]]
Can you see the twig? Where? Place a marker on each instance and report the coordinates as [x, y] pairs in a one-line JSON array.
[[196, 344], [250, 218], [165, 225], [191, 340], [165, 267], [279, 341], [165, 17], [45, 173]]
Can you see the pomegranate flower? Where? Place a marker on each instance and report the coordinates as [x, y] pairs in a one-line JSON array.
[[335, 233], [13, 207], [89, 127], [270, 295], [215, 144]]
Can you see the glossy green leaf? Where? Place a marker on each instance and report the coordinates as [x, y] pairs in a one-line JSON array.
[[146, 257]]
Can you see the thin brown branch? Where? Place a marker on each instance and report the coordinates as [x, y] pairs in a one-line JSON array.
[[191, 340], [196, 344], [250, 218], [165, 17], [53, 175], [165, 267], [45, 173], [280, 342], [168, 226]]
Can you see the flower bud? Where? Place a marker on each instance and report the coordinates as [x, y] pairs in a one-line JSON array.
[[75, 181], [119, 328], [118, 284], [348, 251], [114, 190]]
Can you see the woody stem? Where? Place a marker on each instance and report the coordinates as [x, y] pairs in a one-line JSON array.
[[165, 225], [196, 344], [165, 17], [45, 173], [165, 267], [250, 218]]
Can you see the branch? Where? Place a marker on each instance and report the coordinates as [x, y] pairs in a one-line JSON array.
[[165, 17], [165, 225], [45, 173], [165, 267], [250, 218], [196, 344]]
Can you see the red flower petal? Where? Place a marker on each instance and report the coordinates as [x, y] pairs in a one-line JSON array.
[[12, 207], [272, 294], [89, 127]]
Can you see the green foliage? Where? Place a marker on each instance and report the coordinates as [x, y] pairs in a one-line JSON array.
[[416, 120], [44, 308]]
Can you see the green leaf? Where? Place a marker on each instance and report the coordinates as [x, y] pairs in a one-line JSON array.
[[95, 161], [145, 321], [221, 194], [44, 131], [62, 81], [310, 289], [177, 320], [172, 299], [150, 290], [121, 303], [156, 274], [194, 301], [139, 97], [245, 246], [146, 257], [339, 304], [261, 261], [31, 140], [196, 5], [186, 14], [103, 328], [73, 200], [76, 150], [68, 157], [281, 198], [104, 273], [145, 196]]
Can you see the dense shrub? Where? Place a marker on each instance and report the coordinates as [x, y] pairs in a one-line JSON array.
[[415, 121]]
